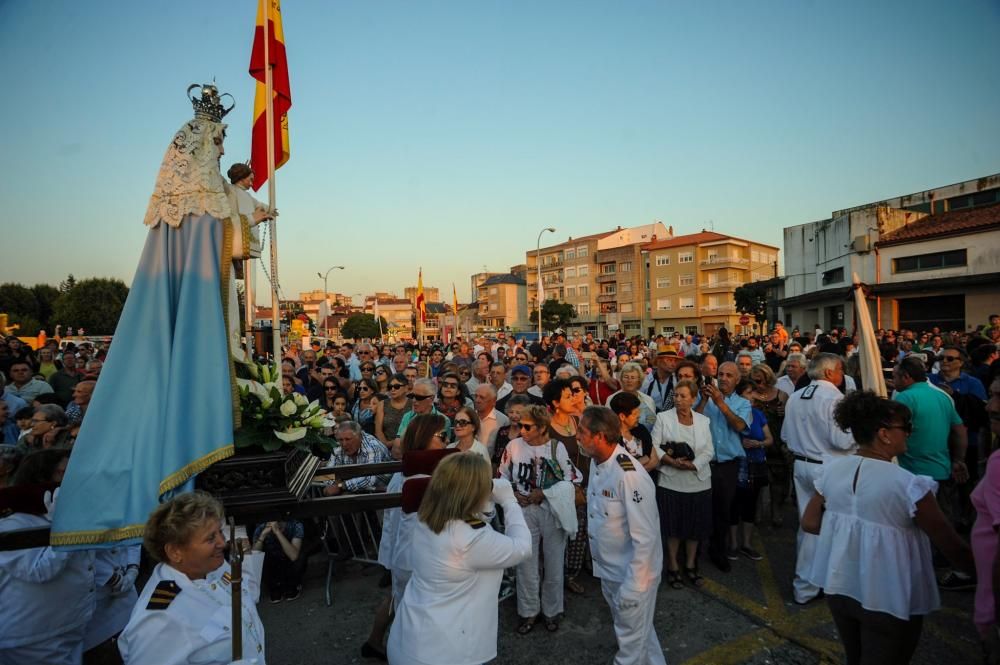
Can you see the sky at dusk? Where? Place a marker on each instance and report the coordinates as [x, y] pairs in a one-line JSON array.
[[447, 134]]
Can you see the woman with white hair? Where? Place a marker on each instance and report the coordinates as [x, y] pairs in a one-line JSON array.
[[631, 380]]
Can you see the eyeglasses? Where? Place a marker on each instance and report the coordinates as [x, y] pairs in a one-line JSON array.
[[441, 435], [906, 427], [367, 369], [330, 388], [528, 426], [577, 390], [396, 386], [462, 423], [519, 377], [365, 389], [449, 384], [950, 358], [380, 371], [418, 398]]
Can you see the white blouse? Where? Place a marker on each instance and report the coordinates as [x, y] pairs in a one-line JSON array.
[[697, 435], [869, 547]]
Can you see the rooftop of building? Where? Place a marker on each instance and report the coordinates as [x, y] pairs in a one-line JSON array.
[[952, 223], [505, 279], [697, 239]]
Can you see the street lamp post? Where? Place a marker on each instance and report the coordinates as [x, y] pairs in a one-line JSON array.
[[538, 286], [326, 296]]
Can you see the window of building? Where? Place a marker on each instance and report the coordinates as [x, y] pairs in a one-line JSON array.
[[583, 290], [686, 303], [493, 290], [607, 268], [582, 271], [686, 280], [625, 307], [662, 304], [494, 306], [583, 309], [835, 276], [953, 259], [755, 257], [570, 272], [690, 330], [625, 266], [609, 289], [667, 329], [609, 308], [569, 254], [662, 282], [626, 287], [581, 251], [570, 291], [685, 257], [663, 260]]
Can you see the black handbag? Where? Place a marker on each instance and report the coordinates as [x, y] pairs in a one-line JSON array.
[[678, 450]]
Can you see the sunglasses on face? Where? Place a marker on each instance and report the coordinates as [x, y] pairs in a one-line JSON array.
[[449, 384], [462, 423], [365, 389], [528, 426], [367, 369], [396, 386], [418, 398], [380, 371], [330, 388], [950, 358], [577, 390]]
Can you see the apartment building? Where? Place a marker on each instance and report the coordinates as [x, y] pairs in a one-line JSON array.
[[692, 279], [397, 312], [431, 294], [503, 303], [571, 270]]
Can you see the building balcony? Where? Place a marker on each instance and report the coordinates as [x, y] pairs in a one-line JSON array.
[[720, 261], [605, 278], [719, 309], [727, 285], [551, 264], [607, 297], [548, 282]]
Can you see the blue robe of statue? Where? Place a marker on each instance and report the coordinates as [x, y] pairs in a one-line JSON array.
[[163, 409]]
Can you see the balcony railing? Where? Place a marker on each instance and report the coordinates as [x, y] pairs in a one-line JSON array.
[[725, 261], [606, 277], [728, 284], [719, 309], [552, 281], [607, 297], [548, 264]]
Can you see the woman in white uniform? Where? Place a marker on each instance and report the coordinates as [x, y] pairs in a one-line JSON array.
[[449, 609], [184, 614]]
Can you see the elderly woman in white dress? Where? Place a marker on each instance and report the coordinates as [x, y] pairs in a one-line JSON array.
[[876, 522], [449, 609]]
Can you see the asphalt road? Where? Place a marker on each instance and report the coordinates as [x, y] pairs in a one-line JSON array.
[[746, 616]]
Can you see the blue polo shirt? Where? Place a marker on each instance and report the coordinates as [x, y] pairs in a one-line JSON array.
[[728, 443]]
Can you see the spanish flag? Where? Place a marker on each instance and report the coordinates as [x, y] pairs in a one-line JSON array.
[[421, 303], [454, 302], [280, 87]]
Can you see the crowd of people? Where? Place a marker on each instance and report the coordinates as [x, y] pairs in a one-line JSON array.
[[689, 440]]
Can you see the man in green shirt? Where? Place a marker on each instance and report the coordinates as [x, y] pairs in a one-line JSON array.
[[936, 447]]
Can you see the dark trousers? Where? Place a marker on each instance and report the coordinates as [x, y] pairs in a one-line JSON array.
[[282, 574], [724, 480], [874, 638]]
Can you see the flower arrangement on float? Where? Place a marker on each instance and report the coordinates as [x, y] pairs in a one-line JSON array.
[[273, 420]]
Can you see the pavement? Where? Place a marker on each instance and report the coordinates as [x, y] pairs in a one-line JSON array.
[[745, 616]]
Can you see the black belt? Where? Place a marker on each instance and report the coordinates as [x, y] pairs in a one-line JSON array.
[[803, 458], [728, 461]]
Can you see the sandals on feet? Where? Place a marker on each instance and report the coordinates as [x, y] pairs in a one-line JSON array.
[[693, 577], [674, 579], [573, 585], [551, 623], [527, 623]]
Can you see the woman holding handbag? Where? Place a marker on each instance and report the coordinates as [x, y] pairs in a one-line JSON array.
[[526, 462], [751, 480], [684, 488]]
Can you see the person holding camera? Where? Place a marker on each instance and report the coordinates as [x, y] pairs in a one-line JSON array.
[[684, 488]]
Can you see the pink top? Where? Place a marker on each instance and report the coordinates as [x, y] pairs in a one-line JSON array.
[[986, 500]]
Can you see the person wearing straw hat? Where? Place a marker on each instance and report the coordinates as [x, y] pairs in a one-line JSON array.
[[659, 384]]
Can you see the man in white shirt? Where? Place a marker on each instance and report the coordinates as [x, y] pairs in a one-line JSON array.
[[480, 374], [795, 367], [812, 436], [498, 379], [490, 420], [659, 384]]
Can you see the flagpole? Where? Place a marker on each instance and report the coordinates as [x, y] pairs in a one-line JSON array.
[[269, 133]]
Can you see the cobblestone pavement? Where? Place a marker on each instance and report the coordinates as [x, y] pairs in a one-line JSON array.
[[746, 616]]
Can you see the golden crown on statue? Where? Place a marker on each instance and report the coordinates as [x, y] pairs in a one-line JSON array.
[[209, 106]]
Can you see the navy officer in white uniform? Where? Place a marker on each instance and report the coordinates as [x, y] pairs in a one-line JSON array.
[[624, 536], [184, 613]]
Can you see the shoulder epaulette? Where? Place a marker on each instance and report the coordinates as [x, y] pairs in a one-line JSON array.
[[163, 595], [625, 462], [476, 524]]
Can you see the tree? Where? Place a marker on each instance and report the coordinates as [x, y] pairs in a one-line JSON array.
[[67, 284], [92, 304], [359, 326], [45, 301], [751, 299], [555, 314], [18, 299], [27, 325]]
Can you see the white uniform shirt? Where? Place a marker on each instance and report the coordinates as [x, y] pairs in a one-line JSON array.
[[112, 610], [448, 614], [809, 428], [624, 526], [521, 464], [44, 592], [193, 620], [489, 426]]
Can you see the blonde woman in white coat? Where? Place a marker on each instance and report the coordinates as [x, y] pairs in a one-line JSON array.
[[449, 609], [684, 488]]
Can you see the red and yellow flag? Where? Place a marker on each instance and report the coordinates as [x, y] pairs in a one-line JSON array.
[[280, 87], [454, 301], [421, 303]]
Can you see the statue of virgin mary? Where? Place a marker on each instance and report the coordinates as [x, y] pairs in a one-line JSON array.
[[166, 404]]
